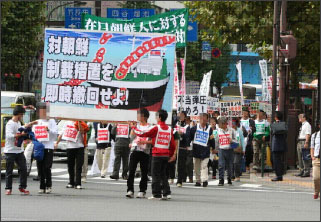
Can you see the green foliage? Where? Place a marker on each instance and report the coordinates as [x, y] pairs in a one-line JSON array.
[[136, 4], [196, 67], [22, 24], [252, 23]]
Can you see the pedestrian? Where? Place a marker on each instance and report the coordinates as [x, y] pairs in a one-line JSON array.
[[163, 152], [189, 155], [140, 149], [249, 125], [13, 150], [121, 133], [203, 141], [262, 131], [315, 154], [279, 130], [103, 138], [84, 169], [240, 150], [46, 131], [181, 128], [214, 163], [303, 146], [75, 133], [216, 114]]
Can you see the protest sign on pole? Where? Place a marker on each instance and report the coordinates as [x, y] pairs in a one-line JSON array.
[[239, 70], [264, 77], [176, 84], [231, 108], [183, 84], [100, 76], [173, 22], [213, 104], [194, 105], [205, 85]]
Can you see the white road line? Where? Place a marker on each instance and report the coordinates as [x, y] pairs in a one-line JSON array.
[[58, 170], [251, 185], [62, 176], [208, 188]]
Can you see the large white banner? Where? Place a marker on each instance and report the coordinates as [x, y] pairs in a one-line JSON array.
[[205, 85], [239, 70]]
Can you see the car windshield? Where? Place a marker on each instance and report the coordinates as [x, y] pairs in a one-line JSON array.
[[29, 100], [6, 101]]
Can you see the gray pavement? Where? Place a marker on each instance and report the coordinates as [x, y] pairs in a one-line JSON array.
[[104, 199]]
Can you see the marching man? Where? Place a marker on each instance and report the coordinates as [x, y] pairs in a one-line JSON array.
[[162, 152]]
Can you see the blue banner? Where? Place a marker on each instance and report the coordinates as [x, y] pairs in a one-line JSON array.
[[129, 13]]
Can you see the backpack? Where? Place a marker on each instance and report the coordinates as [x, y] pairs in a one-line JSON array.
[[38, 150]]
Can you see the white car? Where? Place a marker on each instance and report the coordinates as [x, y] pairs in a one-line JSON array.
[[61, 150]]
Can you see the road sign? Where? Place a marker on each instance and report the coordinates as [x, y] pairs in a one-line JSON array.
[[206, 55], [73, 17], [206, 46], [129, 13]]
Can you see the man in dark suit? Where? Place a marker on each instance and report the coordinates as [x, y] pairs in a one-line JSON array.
[[279, 131]]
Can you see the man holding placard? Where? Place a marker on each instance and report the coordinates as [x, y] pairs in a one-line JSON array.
[[45, 132], [75, 133]]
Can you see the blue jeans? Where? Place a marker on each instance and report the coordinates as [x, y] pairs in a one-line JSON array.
[[225, 161]]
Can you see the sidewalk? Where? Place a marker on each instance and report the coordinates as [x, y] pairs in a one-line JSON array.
[[289, 180]]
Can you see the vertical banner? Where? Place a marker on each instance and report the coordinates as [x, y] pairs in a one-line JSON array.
[[99, 75], [264, 77], [176, 84], [239, 70], [183, 84], [205, 85]]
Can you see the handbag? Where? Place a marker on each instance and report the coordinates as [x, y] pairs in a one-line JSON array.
[[38, 150], [306, 155]]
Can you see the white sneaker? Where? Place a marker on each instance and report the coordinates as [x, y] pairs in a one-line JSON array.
[[164, 198], [171, 181], [169, 197], [83, 179], [179, 185], [154, 198], [141, 195], [41, 191], [130, 194], [48, 190], [78, 187]]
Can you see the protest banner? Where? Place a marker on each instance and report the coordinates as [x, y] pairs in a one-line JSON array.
[[100, 76], [205, 84], [194, 105], [176, 85], [239, 70], [213, 104], [254, 108], [231, 108], [173, 22]]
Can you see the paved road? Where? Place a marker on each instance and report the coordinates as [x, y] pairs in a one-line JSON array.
[[104, 199]]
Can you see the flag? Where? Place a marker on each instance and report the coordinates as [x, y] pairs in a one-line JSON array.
[[239, 70], [183, 84], [205, 85], [176, 85]]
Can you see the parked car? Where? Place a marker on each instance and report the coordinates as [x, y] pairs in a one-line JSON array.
[[13, 97], [62, 146]]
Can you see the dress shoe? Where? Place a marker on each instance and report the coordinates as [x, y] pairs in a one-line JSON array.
[[36, 179], [277, 179], [306, 175], [299, 174]]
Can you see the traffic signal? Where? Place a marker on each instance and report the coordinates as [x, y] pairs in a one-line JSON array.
[[290, 42]]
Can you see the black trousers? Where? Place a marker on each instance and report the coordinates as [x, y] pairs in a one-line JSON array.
[[278, 163], [44, 169], [248, 155], [159, 179], [121, 155], [170, 170], [181, 165], [75, 155], [214, 165], [143, 159], [189, 164], [20, 160]]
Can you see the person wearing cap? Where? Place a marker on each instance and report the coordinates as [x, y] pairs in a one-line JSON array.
[[303, 145], [13, 153], [315, 154], [46, 131], [259, 138]]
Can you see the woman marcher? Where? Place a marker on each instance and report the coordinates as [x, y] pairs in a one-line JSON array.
[[75, 133], [315, 154], [279, 131], [46, 131]]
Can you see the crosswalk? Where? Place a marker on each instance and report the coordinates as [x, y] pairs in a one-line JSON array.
[[62, 174]]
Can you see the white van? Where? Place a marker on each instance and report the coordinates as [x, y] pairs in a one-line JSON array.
[[14, 97]]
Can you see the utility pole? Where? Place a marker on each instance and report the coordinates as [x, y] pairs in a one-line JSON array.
[[276, 35], [283, 68]]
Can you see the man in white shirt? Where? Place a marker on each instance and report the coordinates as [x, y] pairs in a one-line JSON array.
[[46, 131], [14, 153], [303, 143], [315, 154]]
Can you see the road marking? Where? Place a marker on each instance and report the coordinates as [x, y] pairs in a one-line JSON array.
[[62, 176], [208, 188], [251, 185], [58, 170]]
